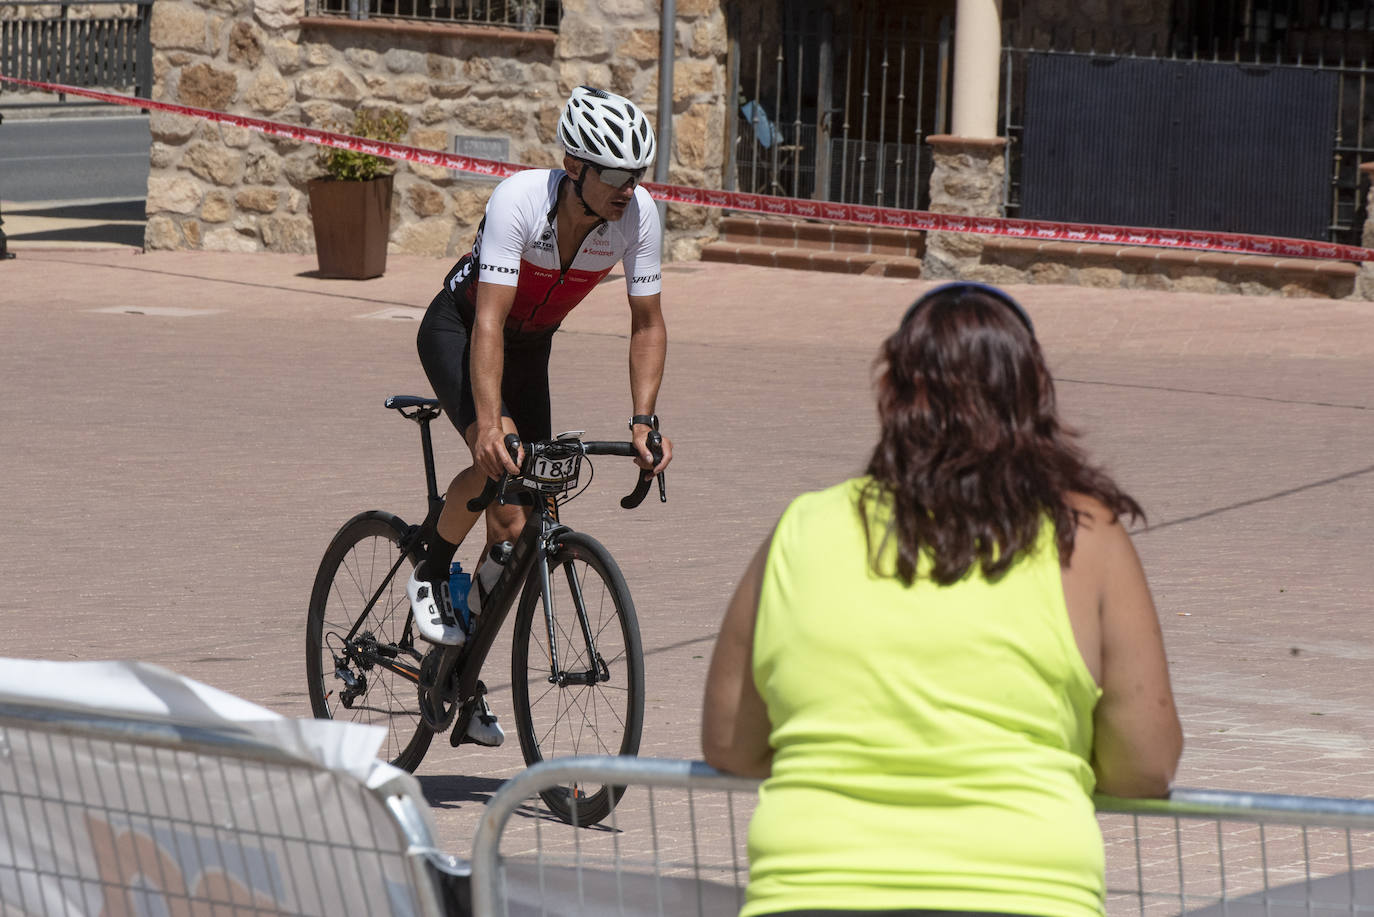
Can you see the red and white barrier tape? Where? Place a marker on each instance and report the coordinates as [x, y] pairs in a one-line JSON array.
[[886, 217]]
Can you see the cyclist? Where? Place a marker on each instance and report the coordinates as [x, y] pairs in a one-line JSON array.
[[547, 238]]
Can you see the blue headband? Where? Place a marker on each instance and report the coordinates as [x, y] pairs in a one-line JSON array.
[[960, 287]]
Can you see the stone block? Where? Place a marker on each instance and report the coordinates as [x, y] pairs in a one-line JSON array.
[[362, 58], [995, 274], [576, 73], [228, 239], [690, 9], [1048, 272], [190, 231], [179, 25], [204, 86], [269, 93], [425, 200], [173, 194], [162, 156], [684, 216], [1195, 283], [263, 167], [698, 135], [637, 45], [1103, 277], [426, 237], [285, 54], [708, 37], [435, 66], [581, 39], [166, 127], [1364, 282], [216, 208], [213, 163], [245, 44], [279, 14], [1303, 289], [257, 200], [235, 137], [295, 235], [410, 89], [332, 84], [161, 233], [491, 117], [685, 248], [693, 78]]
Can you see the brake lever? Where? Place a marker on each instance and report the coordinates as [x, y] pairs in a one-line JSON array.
[[496, 487], [655, 443]]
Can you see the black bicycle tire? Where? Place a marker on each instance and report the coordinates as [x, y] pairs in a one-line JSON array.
[[576, 546], [372, 524]]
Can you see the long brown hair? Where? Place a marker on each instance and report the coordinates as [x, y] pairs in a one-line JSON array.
[[972, 455]]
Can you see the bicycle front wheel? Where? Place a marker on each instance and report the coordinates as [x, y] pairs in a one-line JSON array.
[[577, 671], [368, 679]]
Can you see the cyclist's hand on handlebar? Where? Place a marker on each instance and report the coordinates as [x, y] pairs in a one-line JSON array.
[[492, 456], [643, 457]]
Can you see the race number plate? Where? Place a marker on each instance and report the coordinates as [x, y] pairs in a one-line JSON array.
[[554, 474]]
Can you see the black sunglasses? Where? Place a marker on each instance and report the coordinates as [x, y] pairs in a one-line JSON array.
[[616, 178], [960, 287]]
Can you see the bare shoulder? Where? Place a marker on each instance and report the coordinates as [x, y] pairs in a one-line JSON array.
[[1100, 534]]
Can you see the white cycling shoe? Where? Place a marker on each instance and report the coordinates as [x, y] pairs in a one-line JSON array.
[[434, 617], [483, 728]]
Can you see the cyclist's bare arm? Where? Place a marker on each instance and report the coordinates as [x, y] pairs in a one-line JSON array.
[[494, 303], [648, 353]]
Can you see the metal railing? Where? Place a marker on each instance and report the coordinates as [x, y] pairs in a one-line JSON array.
[[838, 108], [103, 44], [108, 815], [526, 15], [675, 846]]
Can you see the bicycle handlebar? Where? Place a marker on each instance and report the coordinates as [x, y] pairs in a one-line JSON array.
[[654, 441]]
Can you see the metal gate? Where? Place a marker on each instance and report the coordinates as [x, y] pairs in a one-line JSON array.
[[836, 101], [1178, 144], [101, 44], [1320, 52]]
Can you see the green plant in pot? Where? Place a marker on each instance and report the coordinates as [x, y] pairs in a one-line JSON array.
[[350, 206]]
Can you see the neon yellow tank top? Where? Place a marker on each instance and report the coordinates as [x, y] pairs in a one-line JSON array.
[[931, 743]]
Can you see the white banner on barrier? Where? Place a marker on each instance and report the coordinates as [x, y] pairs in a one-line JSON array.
[[126, 790]]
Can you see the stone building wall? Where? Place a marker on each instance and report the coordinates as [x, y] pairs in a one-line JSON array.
[[224, 188]]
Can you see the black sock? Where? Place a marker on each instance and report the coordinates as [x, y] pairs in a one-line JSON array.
[[438, 559]]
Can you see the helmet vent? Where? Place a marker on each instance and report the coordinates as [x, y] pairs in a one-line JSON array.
[[588, 141]]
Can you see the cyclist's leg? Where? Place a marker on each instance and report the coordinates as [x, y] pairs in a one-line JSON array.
[[444, 347], [525, 404]]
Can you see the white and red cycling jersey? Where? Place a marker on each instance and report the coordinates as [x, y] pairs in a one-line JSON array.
[[517, 245]]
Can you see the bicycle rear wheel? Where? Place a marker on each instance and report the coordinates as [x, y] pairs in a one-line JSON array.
[[352, 681], [592, 703]]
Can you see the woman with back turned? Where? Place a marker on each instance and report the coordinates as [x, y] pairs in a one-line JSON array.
[[935, 665]]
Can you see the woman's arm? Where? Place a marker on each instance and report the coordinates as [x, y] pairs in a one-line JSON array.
[[1137, 738], [734, 720]]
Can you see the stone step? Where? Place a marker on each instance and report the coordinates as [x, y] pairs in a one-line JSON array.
[[814, 259], [835, 237]]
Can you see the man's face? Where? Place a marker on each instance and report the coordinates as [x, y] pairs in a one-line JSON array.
[[607, 200]]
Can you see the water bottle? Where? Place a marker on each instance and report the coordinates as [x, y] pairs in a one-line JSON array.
[[487, 575], [458, 585]]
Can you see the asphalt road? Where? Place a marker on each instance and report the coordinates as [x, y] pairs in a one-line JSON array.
[[68, 159]]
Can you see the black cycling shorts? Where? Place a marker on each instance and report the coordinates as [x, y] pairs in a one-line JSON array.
[[444, 342]]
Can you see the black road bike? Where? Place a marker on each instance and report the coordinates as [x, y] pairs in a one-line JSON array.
[[577, 667]]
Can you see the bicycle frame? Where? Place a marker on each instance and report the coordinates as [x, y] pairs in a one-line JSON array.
[[440, 695]]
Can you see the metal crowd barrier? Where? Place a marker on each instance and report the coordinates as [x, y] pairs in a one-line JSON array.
[[105, 815], [675, 846]]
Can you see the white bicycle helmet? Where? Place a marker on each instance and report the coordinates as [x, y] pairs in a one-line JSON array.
[[606, 129]]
